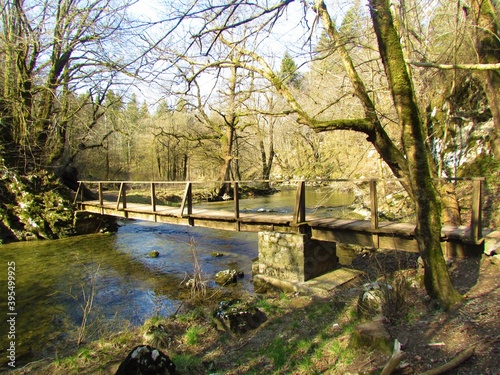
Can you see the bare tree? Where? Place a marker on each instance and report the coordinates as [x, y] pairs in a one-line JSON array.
[[53, 51]]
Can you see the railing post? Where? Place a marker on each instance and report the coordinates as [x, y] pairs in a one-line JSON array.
[[99, 190], [299, 212], [187, 199], [78, 192], [124, 196], [122, 192], [236, 205], [374, 211], [153, 197], [476, 230]]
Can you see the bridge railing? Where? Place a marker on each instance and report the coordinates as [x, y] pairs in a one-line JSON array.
[[155, 193]]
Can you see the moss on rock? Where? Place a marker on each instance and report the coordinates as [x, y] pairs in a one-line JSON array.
[[33, 206]]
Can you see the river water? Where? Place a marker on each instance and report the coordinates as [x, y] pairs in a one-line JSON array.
[[53, 279]]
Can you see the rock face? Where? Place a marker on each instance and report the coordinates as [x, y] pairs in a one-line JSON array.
[[87, 223], [37, 205], [33, 206], [238, 317], [146, 360]]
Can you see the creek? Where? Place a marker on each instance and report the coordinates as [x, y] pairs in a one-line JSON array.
[[54, 279]]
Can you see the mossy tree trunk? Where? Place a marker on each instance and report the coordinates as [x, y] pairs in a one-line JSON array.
[[412, 160], [488, 50], [420, 176]]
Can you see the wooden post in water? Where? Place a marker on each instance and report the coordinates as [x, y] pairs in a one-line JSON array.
[[236, 206], [476, 230], [299, 212], [153, 197], [374, 211], [187, 199]]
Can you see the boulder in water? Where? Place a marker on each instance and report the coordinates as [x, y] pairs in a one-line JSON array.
[[154, 254], [226, 277]]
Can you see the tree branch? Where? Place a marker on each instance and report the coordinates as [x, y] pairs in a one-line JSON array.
[[361, 125], [422, 64]]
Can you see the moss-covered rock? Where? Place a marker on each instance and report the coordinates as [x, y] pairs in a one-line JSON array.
[[33, 206]]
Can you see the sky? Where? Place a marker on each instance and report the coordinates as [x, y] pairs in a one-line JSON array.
[[288, 34]]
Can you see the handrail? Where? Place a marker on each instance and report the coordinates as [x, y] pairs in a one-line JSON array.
[[299, 211], [313, 181]]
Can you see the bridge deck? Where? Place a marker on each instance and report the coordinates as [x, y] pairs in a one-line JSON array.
[[388, 235]]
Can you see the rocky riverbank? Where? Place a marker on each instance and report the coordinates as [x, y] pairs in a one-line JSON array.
[[38, 206]]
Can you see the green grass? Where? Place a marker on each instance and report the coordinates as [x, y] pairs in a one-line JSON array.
[[187, 364], [278, 352], [193, 334], [267, 307]]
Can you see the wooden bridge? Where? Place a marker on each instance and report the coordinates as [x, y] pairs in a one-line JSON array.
[[110, 198]]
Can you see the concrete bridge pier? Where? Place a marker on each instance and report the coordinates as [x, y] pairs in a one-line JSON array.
[[294, 262]]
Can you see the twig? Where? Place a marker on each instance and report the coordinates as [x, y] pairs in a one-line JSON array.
[[459, 359], [396, 358]]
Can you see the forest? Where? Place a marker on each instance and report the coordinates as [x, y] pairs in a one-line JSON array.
[[202, 90]]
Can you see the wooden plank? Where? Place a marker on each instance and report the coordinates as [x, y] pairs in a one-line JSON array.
[[236, 206], [120, 192], [299, 211], [476, 231], [374, 211], [78, 192], [153, 197], [187, 200]]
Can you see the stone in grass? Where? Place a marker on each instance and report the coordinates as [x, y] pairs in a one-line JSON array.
[[146, 360], [238, 317], [372, 334]]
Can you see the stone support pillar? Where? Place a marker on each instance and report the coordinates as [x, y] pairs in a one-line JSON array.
[[294, 257]]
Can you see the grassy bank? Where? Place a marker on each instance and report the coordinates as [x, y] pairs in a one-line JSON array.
[[312, 335]]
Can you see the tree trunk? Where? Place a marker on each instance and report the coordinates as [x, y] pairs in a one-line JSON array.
[[488, 49], [226, 165], [428, 232], [231, 121]]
